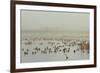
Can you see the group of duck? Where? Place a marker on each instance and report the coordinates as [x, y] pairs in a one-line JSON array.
[[56, 47]]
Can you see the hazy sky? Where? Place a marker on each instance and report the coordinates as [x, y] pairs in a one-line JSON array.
[[54, 21]]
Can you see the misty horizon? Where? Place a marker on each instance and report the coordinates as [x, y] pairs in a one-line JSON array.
[[48, 21]]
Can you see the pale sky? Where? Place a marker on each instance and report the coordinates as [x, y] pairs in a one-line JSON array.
[[54, 21]]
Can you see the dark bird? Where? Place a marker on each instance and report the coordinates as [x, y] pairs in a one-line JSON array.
[[33, 52], [25, 53], [74, 51]]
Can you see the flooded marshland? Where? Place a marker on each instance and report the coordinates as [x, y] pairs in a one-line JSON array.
[[50, 35], [47, 47]]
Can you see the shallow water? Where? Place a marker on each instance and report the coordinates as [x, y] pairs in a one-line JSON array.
[[58, 47]]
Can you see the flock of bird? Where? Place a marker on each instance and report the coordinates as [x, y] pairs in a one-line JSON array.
[[55, 46]]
